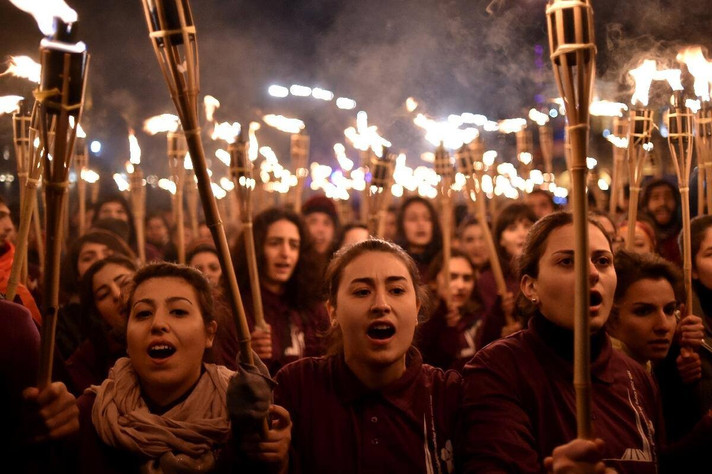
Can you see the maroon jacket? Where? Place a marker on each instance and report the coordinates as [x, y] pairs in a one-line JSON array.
[[295, 334], [90, 363], [519, 403], [341, 426]]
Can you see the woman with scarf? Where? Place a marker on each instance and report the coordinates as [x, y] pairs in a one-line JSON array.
[[162, 409]]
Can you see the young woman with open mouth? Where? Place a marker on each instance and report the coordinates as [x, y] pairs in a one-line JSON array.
[[519, 402], [162, 409], [371, 405]]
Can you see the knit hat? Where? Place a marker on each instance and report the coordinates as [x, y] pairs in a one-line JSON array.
[[321, 203]]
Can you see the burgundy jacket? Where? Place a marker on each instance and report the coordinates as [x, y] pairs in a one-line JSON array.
[[341, 426], [519, 403]]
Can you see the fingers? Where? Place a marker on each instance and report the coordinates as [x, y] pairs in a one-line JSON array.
[[279, 416]]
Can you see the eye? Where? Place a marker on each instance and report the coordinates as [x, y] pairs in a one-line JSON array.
[[142, 314], [179, 312], [361, 292], [397, 290], [566, 261], [100, 295], [669, 309], [604, 261], [642, 310]]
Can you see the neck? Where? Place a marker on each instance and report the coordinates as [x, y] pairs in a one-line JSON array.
[[272, 286], [376, 377], [162, 396], [416, 249]]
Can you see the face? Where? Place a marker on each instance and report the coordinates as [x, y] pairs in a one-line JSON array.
[[554, 287], [281, 252], [539, 204], [661, 204], [646, 319], [209, 265], [156, 231], [354, 236], [321, 229], [166, 337], [377, 309], [513, 237], [7, 228], [462, 281], [113, 210], [417, 225], [90, 253], [473, 244], [391, 227], [107, 287], [702, 266], [641, 241]]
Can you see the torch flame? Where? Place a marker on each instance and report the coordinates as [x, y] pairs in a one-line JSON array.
[[540, 118], [284, 124], [670, 75], [700, 68], [512, 125], [168, 185], [211, 105], [223, 156], [253, 147], [344, 162], [606, 108], [366, 136], [411, 104], [25, 67], [161, 123], [134, 149], [90, 176], [10, 104], [448, 133], [80, 131], [187, 162], [44, 12], [121, 182], [643, 77], [226, 131]]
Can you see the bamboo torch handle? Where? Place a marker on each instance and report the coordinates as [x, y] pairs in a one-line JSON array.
[[28, 205], [447, 244], [254, 276], [180, 222], [687, 256]]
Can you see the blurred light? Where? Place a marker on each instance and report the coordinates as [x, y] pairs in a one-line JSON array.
[[300, 91], [322, 94], [278, 91], [95, 147], [553, 113], [345, 103]]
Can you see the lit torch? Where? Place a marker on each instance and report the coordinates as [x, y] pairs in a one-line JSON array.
[[173, 35], [573, 57], [605, 108], [444, 169], [137, 191], [546, 142], [380, 191], [81, 163]]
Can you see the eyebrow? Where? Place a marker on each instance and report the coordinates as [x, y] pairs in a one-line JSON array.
[[172, 299], [371, 281]]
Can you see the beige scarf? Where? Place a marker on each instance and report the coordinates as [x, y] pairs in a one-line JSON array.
[[180, 440]]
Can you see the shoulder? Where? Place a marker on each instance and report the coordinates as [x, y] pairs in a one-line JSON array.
[[305, 368]]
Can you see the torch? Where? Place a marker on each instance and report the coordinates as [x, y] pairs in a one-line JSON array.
[[445, 170], [573, 57], [299, 152], [469, 161], [380, 191], [640, 128], [703, 144], [177, 149], [524, 150], [137, 192], [241, 172], [60, 98], [680, 141], [81, 164], [191, 193], [173, 35], [620, 145]]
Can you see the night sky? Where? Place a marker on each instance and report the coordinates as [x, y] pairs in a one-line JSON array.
[[453, 56]]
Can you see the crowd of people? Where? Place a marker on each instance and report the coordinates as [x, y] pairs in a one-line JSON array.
[[381, 354]]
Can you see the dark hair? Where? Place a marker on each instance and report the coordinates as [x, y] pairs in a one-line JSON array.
[[436, 267], [510, 214], [632, 267], [348, 227], [698, 229], [436, 241], [301, 290], [118, 198], [548, 194], [200, 247], [466, 222], [597, 213], [190, 275], [69, 275], [335, 271], [93, 323], [648, 190], [535, 245]]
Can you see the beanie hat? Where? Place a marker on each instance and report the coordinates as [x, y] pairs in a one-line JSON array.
[[321, 203]]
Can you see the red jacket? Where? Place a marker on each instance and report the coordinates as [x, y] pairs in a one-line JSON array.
[[519, 403], [341, 426]]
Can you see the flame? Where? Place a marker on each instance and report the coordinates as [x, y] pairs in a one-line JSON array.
[[670, 75], [693, 105], [10, 104], [512, 125], [218, 192], [253, 146], [448, 133], [167, 185], [90, 176], [278, 91], [591, 162], [226, 131], [606, 108], [540, 118], [618, 142], [25, 67], [223, 156], [344, 162], [284, 124], [700, 68], [134, 149], [44, 12], [344, 103], [121, 182], [411, 104], [211, 105], [187, 162], [161, 123], [80, 131], [227, 184], [366, 136], [643, 77]]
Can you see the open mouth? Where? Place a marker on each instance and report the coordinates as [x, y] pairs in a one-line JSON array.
[[161, 351], [595, 299], [381, 331]]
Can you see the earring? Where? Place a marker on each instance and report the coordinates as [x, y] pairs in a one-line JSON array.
[[535, 301]]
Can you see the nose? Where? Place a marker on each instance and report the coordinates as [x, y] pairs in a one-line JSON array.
[[115, 292], [159, 323], [380, 304], [663, 323], [593, 274]]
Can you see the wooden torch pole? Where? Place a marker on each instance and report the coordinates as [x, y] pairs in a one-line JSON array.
[[640, 128], [177, 149], [445, 170]]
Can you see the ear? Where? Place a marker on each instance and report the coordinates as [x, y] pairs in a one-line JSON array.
[[529, 287], [695, 275], [418, 305], [210, 329], [331, 309]]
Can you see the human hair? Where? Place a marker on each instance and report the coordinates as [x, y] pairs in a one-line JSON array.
[[301, 290], [466, 222], [436, 266], [93, 324], [535, 245], [547, 194], [510, 214], [632, 267], [346, 228], [343, 257], [598, 214], [190, 275], [698, 230], [117, 198], [200, 247], [69, 274], [436, 240], [647, 192]]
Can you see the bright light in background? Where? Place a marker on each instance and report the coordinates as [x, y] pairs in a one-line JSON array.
[[278, 91], [300, 91], [95, 147], [345, 103], [322, 94], [591, 162]]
